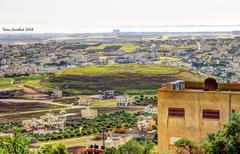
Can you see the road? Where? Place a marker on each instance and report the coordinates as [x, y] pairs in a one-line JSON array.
[[34, 100], [63, 106]]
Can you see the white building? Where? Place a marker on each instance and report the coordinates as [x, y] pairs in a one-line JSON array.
[[56, 93], [88, 113], [113, 140], [85, 100], [45, 124], [124, 100], [151, 109]]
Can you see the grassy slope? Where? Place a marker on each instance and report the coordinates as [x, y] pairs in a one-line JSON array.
[[127, 47], [129, 78], [33, 80], [5, 83], [99, 70]]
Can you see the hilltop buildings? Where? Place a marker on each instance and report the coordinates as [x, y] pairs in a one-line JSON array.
[[193, 109]]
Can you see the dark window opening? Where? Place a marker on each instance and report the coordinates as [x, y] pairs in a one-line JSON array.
[[176, 112], [211, 114]]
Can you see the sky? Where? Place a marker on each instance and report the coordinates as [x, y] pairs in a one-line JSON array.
[[100, 13]]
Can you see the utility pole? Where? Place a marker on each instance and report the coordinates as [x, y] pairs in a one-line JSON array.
[[103, 137]]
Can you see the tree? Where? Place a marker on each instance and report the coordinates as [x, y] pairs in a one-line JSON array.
[[18, 144], [147, 146], [186, 146], [226, 140], [48, 149], [134, 147], [60, 149], [131, 147]]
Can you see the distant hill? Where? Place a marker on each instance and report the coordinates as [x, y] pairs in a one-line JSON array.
[[125, 78]]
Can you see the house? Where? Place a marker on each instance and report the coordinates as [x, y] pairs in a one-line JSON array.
[[45, 124], [85, 100], [194, 111], [56, 93], [124, 100], [145, 123], [151, 109], [108, 94], [112, 140], [88, 113]]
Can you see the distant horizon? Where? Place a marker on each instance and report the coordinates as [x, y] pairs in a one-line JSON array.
[[108, 29]]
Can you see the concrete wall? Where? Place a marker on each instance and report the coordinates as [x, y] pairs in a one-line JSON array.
[[192, 126]]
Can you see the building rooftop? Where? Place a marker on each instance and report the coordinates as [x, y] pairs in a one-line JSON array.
[[209, 85]]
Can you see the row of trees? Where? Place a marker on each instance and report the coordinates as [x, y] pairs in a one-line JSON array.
[[225, 141], [134, 147], [145, 100], [81, 127], [19, 144], [9, 126]]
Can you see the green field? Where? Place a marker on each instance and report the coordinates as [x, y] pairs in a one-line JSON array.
[[99, 102], [127, 47], [124, 78], [71, 142], [33, 80], [134, 79], [6, 83], [141, 69]]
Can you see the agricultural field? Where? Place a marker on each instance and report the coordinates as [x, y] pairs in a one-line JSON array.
[[8, 106], [141, 69], [71, 142], [134, 79], [167, 46], [33, 80], [6, 83], [108, 103], [127, 47]]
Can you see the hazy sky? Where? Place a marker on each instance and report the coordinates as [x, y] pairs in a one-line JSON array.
[[120, 12]]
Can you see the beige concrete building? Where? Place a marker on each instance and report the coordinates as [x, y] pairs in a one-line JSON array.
[[193, 109], [145, 123], [112, 140], [89, 113], [45, 124], [85, 100], [124, 100]]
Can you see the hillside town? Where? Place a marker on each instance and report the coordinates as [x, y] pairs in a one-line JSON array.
[[213, 56]]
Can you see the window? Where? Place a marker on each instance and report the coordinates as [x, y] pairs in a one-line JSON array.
[[176, 112], [211, 114]]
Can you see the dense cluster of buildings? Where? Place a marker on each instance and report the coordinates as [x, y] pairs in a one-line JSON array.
[[51, 57], [45, 124], [213, 56]]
